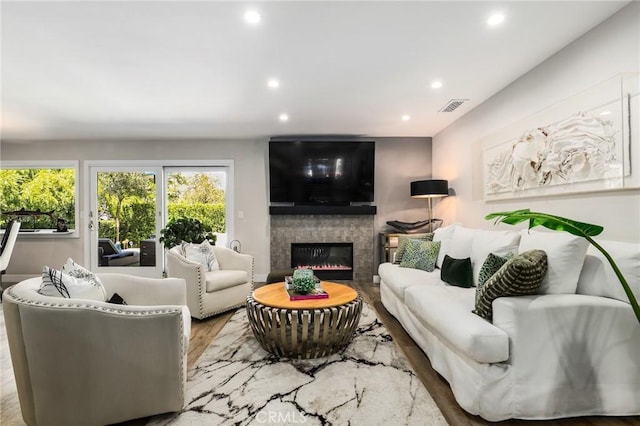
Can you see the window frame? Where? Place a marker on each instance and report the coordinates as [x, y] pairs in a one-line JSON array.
[[54, 164]]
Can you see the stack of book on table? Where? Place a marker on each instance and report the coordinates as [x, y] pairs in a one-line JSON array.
[[317, 293]]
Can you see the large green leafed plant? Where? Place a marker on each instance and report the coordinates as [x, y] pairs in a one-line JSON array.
[[186, 229], [580, 229]]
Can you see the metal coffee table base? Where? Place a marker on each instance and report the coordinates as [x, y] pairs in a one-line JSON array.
[[304, 333]]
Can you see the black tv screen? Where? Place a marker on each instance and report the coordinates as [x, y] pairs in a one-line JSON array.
[[312, 172]]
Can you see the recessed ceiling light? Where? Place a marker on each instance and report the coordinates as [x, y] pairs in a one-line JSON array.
[[406, 117], [284, 117], [605, 113], [495, 19], [273, 83], [252, 17], [436, 84]]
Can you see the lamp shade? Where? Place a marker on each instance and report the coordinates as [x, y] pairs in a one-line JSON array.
[[429, 188]]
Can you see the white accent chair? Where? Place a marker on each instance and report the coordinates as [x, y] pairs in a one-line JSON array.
[[212, 292], [6, 248], [83, 362]]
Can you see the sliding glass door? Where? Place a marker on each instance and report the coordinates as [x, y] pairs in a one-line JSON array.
[[130, 204], [125, 218]]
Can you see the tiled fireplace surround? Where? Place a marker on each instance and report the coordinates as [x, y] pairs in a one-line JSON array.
[[358, 229]]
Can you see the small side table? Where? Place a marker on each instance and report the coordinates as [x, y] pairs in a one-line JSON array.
[[388, 246], [304, 328], [148, 252]]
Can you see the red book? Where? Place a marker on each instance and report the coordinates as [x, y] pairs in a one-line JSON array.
[[317, 294]]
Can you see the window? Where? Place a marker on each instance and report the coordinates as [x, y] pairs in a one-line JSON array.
[[199, 193], [43, 196]]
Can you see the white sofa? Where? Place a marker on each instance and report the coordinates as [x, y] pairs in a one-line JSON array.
[[212, 292], [86, 362], [559, 354]]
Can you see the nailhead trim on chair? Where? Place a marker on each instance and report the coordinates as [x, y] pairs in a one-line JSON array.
[[120, 311], [25, 301], [200, 287], [253, 271], [201, 290], [183, 383]]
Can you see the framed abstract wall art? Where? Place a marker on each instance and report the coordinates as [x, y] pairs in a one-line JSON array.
[[582, 144]]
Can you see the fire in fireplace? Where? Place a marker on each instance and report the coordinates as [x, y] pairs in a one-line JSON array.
[[329, 261]]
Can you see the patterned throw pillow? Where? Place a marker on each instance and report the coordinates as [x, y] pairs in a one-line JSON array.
[[458, 272], [56, 283], [519, 276], [402, 244], [420, 254], [201, 253], [491, 265], [77, 271]]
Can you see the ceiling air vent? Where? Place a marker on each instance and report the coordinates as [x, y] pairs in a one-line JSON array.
[[452, 105]]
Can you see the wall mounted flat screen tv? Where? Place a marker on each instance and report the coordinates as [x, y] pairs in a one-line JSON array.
[[312, 172]]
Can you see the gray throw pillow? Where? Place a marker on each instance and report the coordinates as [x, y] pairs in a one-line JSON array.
[[519, 276], [402, 244], [421, 255]]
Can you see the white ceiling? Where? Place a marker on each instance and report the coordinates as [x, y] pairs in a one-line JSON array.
[[171, 69]]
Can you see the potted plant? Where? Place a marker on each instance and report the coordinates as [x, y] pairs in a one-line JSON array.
[[557, 223], [186, 229]]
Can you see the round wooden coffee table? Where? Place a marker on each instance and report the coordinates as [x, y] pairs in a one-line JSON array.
[[304, 328]]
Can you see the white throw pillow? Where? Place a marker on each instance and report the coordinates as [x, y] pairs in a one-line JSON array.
[[201, 253], [565, 256], [599, 279], [56, 283], [77, 271], [461, 240], [444, 235], [500, 243]]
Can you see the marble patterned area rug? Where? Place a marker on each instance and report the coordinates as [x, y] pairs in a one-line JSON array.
[[236, 382]]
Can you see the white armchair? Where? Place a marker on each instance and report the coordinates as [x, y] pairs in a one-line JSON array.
[[213, 292], [82, 362]]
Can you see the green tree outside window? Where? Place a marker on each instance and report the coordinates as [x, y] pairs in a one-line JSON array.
[[39, 190]]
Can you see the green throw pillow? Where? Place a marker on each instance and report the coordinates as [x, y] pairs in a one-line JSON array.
[[402, 243], [458, 272], [491, 265], [519, 276], [420, 254]]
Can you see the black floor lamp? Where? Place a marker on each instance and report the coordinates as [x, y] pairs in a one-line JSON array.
[[429, 189]]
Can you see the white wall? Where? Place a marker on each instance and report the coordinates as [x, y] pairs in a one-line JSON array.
[[609, 49], [398, 161]]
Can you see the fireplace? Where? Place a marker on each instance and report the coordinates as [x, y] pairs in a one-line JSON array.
[[329, 261], [356, 229]]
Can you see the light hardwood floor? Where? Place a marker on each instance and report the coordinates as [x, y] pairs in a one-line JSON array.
[[203, 332]]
